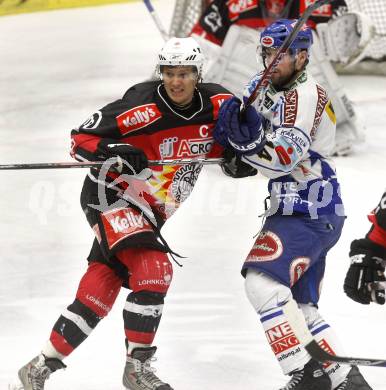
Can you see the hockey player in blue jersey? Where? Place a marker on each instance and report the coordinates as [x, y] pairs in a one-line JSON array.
[[288, 138]]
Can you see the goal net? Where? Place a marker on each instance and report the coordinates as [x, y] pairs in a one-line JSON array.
[[376, 10], [186, 14]]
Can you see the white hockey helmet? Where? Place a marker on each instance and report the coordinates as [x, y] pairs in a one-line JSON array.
[[181, 52]]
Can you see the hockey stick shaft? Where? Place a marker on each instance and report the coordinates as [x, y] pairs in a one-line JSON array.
[[97, 164], [267, 74], [156, 19], [298, 324]]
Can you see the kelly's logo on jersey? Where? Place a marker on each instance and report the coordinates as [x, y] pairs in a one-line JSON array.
[[138, 117], [122, 223], [217, 100], [236, 7]]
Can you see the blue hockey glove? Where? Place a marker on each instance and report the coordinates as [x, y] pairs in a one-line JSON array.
[[220, 132], [245, 135]]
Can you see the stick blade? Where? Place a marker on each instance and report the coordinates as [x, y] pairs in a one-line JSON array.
[[318, 353]]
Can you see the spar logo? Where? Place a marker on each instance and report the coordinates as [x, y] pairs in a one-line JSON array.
[[267, 41], [138, 118], [297, 269]]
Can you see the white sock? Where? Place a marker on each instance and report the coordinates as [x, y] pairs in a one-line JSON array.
[[50, 351]]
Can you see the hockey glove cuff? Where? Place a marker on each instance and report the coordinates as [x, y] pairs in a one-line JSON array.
[[246, 134], [234, 167], [365, 279], [130, 160]]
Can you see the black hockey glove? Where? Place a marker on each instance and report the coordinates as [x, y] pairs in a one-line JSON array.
[[234, 167], [130, 160], [365, 278]]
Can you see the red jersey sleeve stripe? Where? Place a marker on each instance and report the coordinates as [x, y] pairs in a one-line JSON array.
[[84, 145], [377, 234]]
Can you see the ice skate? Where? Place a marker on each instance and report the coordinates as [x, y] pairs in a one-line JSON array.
[[354, 381], [311, 377], [34, 374], [139, 375]]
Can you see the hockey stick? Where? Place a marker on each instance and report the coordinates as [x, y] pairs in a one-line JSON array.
[[97, 164], [156, 19], [298, 324], [267, 74]]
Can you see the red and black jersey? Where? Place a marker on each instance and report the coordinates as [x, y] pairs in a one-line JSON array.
[[145, 119], [221, 14], [377, 232]]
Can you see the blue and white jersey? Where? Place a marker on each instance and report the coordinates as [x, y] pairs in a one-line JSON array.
[[300, 128]]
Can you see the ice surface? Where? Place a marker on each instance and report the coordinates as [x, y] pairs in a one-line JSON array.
[[56, 68]]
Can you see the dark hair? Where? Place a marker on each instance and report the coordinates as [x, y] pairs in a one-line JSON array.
[[193, 67]]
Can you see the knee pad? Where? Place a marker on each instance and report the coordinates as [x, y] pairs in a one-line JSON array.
[[265, 293], [149, 270], [98, 289]]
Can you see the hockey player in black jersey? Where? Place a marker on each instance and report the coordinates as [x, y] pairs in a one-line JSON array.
[[127, 204]]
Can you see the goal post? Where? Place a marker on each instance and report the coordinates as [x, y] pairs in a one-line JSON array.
[[186, 14]]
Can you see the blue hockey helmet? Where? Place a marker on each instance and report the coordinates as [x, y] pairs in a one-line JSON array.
[[275, 34]]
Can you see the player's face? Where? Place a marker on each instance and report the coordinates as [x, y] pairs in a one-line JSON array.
[[180, 82], [287, 68]]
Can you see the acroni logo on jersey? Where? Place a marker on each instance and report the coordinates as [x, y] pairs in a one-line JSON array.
[[138, 118], [175, 147]]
